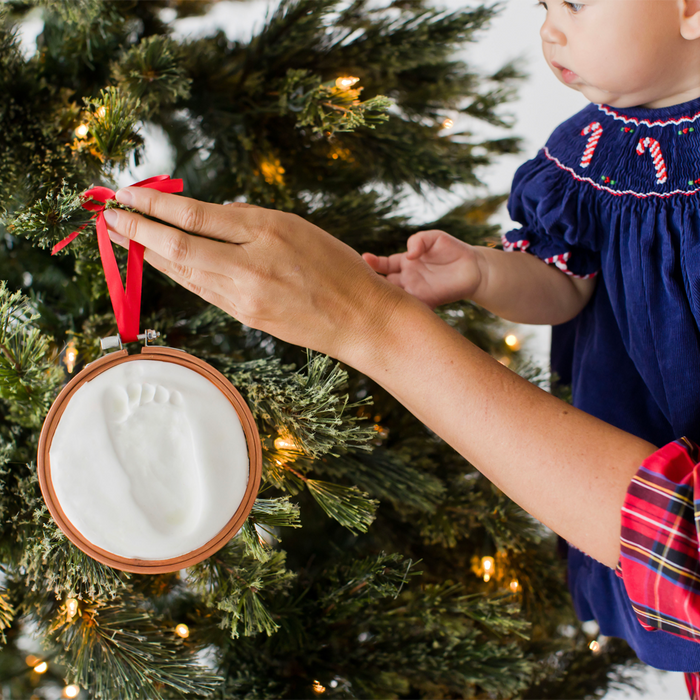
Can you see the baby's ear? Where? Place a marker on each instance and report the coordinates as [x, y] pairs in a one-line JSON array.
[[690, 18]]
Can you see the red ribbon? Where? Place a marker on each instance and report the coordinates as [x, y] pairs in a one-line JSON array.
[[126, 302]]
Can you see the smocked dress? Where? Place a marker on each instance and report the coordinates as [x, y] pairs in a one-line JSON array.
[[615, 194]]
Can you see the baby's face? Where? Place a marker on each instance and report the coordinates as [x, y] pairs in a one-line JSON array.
[[622, 52]]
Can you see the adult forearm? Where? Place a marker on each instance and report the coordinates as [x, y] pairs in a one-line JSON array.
[[522, 288], [566, 468]]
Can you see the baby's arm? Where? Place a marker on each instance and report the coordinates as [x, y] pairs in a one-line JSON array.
[[524, 289], [438, 268]]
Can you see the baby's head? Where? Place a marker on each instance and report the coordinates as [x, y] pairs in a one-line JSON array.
[[625, 52]]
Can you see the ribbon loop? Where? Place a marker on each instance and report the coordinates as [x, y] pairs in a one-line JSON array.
[[126, 300]]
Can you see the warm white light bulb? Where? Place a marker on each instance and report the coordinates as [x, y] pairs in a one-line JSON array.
[[43, 667], [514, 585], [182, 631], [284, 442], [345, 82], [512, 341], [318, 688], [594, 646], [101, 112], [82, 131], [71, 691], [448, 123], [71, 603], [70, 357]]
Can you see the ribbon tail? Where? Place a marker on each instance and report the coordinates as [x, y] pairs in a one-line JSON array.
[[62, 244], [126, 304]]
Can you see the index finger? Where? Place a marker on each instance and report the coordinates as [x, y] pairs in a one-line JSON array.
[[191, 215]]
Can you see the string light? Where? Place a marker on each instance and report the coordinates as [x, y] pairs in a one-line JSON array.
[[514, 585], [594, 646], [71, 691], [42, 667], [32, 660], [272, 172], [81, 131], [318, 688], [512, 342], [70, 356], [71, 603], [345, 82], [101, 112], [182, 631], [488, 565], [285, 442], [448, 123]]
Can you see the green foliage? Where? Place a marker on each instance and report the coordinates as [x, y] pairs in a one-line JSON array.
[[327, 107], [29, 376], [52, 218], [7, 614], [306, 405], [152, 72], [238, 586], [119, 649], [111, 124], [346, 504]]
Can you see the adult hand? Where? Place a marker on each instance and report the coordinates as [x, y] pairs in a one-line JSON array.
[[270, 270]]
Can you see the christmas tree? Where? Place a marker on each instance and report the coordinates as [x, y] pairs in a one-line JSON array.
[[376, 562]]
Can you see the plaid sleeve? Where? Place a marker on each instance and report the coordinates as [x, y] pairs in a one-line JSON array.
[[659, 557]]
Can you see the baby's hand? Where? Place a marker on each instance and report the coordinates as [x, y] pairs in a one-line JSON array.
[[437, 268]]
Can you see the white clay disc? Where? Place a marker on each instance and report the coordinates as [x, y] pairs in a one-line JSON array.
[[149, 460]]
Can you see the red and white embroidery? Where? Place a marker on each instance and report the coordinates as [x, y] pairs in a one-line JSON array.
[[561, 261], [517, 245], [656, 155], [596, 131]]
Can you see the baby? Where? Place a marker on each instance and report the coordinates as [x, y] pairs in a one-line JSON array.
[[610, 215]]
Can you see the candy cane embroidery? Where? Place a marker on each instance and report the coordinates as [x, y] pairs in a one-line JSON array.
[[596, 131], [657, 157]]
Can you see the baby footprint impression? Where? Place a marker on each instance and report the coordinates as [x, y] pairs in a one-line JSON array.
[[152, 439]]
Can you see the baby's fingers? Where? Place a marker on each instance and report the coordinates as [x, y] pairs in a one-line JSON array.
[[420, 243], [382, 264]]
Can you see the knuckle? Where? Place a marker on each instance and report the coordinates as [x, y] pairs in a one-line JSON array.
[[131, 223], [192, 218], [177, 249]]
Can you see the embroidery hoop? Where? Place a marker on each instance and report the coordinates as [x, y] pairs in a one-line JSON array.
[[252, 437]]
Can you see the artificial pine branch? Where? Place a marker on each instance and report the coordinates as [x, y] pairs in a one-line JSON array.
[[237, 586], [29, 378], [120, 650]]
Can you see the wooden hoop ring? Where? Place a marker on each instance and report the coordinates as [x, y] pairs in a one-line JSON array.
[[150, 566]]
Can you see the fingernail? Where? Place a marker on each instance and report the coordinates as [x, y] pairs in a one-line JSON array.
[[125, 196], [111, 217], [119, 240]]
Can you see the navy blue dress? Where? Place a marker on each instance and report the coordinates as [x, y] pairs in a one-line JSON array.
[[616, 193]]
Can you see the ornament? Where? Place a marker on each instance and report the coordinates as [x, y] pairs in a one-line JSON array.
[[148, 462]]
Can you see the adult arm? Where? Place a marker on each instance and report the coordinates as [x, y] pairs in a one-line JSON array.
[[278, 273]]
